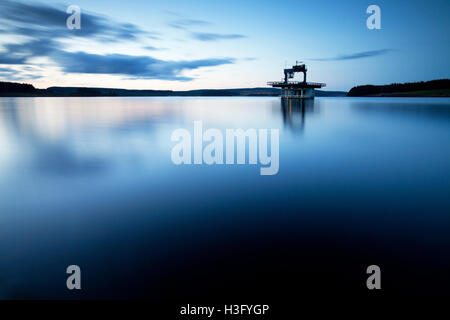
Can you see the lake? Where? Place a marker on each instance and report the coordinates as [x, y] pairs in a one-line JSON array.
[[90, 182]]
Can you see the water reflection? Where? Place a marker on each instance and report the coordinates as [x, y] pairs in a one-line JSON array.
[[437, 108], [55, 118], [90, 181], [70, 136], [294, 112]]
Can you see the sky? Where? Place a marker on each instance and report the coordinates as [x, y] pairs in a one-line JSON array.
[[202, 44]]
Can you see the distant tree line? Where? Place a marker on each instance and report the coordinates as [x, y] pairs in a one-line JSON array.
[[19, 89], [428, 88], [12, 87], [371, 90]]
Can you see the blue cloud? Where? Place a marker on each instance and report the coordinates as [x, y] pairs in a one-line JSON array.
[[46, 26], [358, 55], [185, 23], [41, 20], [152, 48], [143, 67], [5, 58], [203, 36], [17, 75]]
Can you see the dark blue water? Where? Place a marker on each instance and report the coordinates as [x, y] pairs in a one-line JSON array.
[[90, 182]]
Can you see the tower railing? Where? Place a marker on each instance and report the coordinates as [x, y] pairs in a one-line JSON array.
[[271, 83]]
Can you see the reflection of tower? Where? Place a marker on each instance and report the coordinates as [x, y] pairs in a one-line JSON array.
[[294, 111]]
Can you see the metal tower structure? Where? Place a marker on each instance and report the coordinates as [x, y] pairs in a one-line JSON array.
[[296, 89]]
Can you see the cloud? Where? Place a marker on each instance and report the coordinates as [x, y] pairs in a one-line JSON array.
[[42, 20], [6, 70], [184, 23], [33, 48], [6, 59], [46, 26], [358, 55], [17, 75], [202, 36], [152, 48], [172, 13], [143, 67]]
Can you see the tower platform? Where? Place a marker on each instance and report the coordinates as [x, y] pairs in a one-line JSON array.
[[296, 89]]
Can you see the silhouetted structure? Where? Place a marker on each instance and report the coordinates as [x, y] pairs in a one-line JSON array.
[[296, 89]]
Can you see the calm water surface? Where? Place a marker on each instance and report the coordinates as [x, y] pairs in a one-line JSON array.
[[90, 181]]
